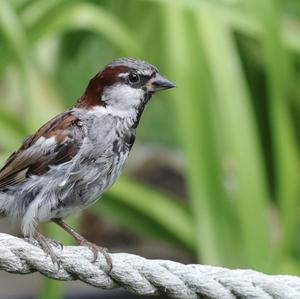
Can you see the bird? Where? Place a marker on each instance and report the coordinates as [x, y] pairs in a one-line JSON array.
[[76, 156]]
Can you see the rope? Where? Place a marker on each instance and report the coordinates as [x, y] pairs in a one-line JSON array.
[[145, 277]]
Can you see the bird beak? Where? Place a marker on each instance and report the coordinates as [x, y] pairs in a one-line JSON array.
[[158, 82]]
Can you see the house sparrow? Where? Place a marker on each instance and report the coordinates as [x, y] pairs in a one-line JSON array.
[[76, 156]]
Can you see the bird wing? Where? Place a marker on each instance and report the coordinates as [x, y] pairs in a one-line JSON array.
[[58, 141]]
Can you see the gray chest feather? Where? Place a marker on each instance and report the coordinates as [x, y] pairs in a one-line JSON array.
[[124, 142], [103, 160]]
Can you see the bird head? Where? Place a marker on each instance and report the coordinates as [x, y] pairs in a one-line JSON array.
[[124, 86]]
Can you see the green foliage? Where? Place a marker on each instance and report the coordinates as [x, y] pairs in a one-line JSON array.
[[170, 216], [235, 113]]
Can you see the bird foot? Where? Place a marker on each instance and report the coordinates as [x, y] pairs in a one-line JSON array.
[[95, 250], [82, 241], [45, 243]]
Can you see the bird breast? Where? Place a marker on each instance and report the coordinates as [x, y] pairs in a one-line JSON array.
[[102, 157]]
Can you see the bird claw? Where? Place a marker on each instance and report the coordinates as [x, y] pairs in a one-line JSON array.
[[56, 243], [95, 250], [45, 245]]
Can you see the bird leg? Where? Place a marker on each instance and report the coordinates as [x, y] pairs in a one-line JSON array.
[[82, 241]]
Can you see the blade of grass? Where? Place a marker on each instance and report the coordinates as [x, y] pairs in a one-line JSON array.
[[40, 100], [239, 19], [137, 220], [38, 9], [11, 130], [7, 117], [9, 138], [186, 67], [43, 20], [51, 289], [240, 136], [68, 16], [159, 207], [286, 153]]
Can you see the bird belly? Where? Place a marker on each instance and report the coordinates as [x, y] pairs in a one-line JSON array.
[[63, 191]]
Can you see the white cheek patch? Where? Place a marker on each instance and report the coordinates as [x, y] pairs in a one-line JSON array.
[[122, 97]]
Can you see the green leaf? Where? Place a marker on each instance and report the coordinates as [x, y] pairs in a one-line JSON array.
[[40, 98], [279, 78], [186, 66], [136, 220], [79, 15], [160, 208], [240, 137], [11, 130]]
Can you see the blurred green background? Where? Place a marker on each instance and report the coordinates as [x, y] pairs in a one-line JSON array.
[[234, 116]]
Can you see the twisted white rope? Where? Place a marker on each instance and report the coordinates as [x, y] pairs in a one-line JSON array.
[[146, 277]]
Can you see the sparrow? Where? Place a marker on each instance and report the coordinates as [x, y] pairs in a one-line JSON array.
[[75, 157]]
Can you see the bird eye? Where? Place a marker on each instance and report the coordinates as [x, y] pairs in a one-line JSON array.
[[134, 78]]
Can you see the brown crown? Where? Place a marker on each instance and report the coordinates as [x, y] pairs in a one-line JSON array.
[[93, 94]]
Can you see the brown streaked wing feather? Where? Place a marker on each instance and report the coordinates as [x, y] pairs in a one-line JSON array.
[[35, 160]]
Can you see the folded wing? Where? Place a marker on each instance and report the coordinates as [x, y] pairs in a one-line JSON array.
[[56, 142]]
